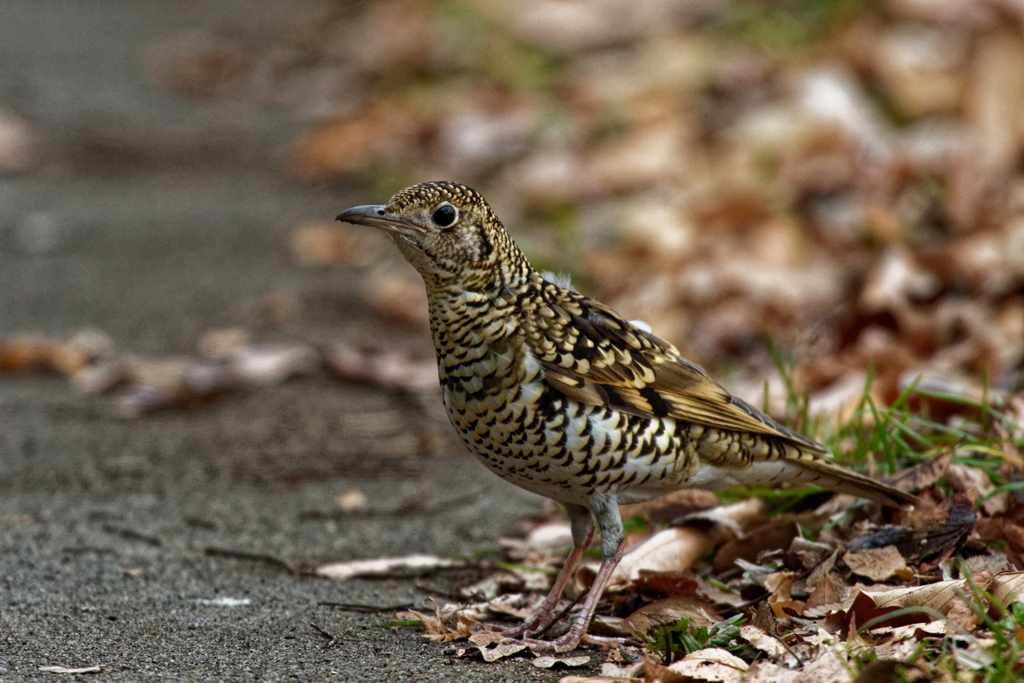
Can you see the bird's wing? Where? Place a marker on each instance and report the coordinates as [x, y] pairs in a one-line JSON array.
[[594, 356]]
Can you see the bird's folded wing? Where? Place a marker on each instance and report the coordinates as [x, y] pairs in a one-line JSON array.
[[594, 356]]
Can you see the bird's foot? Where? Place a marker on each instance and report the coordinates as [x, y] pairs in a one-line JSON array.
[[539, 623], [523, 629]]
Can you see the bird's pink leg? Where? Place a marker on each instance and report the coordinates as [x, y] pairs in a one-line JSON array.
[[577, 632], [540, 620]]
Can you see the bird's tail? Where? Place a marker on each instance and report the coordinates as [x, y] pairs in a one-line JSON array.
[[841, 480]]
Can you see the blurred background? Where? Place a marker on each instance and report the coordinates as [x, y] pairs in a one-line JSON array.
[[800, 194], [840, 178]]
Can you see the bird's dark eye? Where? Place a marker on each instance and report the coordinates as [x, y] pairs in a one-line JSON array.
[[445, 215]]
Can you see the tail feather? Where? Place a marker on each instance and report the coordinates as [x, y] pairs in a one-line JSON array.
[[841, 480]]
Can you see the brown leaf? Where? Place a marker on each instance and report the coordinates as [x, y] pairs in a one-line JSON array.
[[780, 585], [670, 584], [822, 568], [823, 595], [941, 596], [764, 618], [671, 610], [771, 536], [435, 629], [970, 481], [1008, 587], [961, 614], [656, 672], [877, 564], [679, 548], [711, 664], [501, 650], [485, 638], [671, 550], [767, 643]]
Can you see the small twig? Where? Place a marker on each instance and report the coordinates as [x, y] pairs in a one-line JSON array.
[[6, 636], [331, 640], [249, 555], [132, 534], [365, 609], [561, 615]]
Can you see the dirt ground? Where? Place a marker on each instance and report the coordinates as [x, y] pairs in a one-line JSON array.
[[156, 219]]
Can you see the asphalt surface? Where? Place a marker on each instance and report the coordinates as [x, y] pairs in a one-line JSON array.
[[131, 224]]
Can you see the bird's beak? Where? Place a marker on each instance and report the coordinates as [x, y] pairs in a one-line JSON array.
[[376, 217]]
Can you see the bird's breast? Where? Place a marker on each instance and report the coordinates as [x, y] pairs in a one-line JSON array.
[[531, 434]]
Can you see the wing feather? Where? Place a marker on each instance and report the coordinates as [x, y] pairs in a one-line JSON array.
[[599, 358]]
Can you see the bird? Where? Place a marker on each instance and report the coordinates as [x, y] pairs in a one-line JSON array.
[[562, 396]]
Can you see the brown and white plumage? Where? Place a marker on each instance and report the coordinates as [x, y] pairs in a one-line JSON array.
[[560, 395]]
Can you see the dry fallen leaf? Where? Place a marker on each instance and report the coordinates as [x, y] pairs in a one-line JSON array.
[[941, 596], [501, 650], [679, 548], [561, 662], [768, 644], [780, 586], [671, 610], [878, 564], [670, 584], [384, 566], [670, 550], [823, 599], [711, 664]]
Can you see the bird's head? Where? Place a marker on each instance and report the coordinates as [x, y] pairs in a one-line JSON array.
[[446, 230]]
